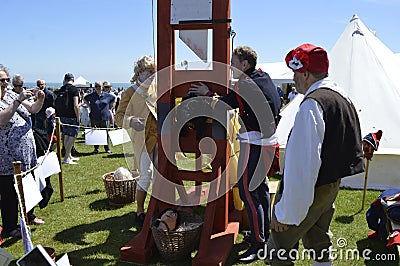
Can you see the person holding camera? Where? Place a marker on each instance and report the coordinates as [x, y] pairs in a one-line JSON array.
[[137, 112], [49, 98], [17, 143]]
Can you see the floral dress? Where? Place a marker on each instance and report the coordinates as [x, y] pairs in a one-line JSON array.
[[16, 138]]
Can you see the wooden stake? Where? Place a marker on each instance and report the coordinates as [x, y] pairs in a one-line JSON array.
[[17, 172], [365, 184], [60, 175]]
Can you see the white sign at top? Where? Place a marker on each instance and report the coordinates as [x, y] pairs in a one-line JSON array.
[[190, 10]]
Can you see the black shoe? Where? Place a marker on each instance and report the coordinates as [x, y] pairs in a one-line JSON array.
[[248, 238], [74, 152], [140, 219], [96, 151], [252, 254], [16, 233]]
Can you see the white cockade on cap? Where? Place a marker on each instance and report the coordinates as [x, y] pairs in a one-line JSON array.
[[295, 63]]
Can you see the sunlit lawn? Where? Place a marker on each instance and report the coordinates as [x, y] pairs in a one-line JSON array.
[[92, 232]]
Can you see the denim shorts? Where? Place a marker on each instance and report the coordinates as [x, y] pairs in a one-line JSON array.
[[70, 130]]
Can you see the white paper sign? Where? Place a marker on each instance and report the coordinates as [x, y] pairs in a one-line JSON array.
[[32, 194], [119, 136], [63, 261], [95, 137], [47, 167]]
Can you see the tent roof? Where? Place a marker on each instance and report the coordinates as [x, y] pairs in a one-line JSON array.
[[369, 73], [278, 72], [81, 81]]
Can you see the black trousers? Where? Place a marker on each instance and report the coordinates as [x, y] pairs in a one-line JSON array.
[[9, 203], [253, 190], [101, 124]]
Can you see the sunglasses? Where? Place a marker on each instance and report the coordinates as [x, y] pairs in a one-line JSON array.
[[5, 79]]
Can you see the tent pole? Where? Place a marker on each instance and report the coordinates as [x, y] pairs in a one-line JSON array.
[[365, 184]]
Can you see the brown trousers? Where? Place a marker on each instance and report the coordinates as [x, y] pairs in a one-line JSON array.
[[313, 230]]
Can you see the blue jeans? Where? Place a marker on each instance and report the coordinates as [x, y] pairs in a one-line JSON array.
[[70, 130]]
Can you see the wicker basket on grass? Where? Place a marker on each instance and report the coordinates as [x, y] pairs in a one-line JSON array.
[[179, 243], [120, 192]]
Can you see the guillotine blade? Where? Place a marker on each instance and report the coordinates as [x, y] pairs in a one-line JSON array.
[[197, 41]]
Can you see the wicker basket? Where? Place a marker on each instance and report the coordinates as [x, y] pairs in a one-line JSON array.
[[120, 192], [178, 244]]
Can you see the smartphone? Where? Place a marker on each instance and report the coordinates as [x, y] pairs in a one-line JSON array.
[[37, 256], [34, 92]]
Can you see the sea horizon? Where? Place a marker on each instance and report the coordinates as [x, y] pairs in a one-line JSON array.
[[57, 85]]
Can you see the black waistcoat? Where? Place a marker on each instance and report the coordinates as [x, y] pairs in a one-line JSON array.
[[341, 153]]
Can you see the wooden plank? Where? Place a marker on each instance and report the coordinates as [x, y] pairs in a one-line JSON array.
[[220, 244]]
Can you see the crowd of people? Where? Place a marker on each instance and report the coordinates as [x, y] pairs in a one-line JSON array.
[[27, 120], [326, 126]]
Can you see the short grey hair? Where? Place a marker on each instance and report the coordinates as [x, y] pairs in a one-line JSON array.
[[18, 78]]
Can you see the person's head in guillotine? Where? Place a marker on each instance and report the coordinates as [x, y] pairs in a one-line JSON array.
[[144, 70], [243, 59]]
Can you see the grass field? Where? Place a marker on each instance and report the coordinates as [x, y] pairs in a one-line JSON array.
[[91, 231]]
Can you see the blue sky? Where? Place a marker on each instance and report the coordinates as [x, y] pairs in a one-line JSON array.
[[101, 39]]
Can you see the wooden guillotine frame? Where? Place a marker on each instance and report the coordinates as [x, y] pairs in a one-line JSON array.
[[221, 220]]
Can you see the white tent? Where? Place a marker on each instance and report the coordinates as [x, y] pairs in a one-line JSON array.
[[369, 72], [397, 57], [278, 72], [81, 82]]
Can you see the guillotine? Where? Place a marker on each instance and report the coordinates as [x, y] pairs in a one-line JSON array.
[[203, 26]]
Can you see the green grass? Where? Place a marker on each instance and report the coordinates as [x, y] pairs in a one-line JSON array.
[[92, 232]]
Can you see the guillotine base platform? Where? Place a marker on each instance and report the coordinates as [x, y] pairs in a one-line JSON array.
[[218, 246]]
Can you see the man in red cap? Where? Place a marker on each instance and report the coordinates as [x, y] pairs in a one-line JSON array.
[[324, 146]]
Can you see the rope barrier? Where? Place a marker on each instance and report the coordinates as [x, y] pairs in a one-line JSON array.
[[84, 127], [52, 135]]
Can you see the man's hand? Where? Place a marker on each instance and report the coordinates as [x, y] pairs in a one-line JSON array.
[[40, 95], [199, 89], [368, 150], [277, 226]]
